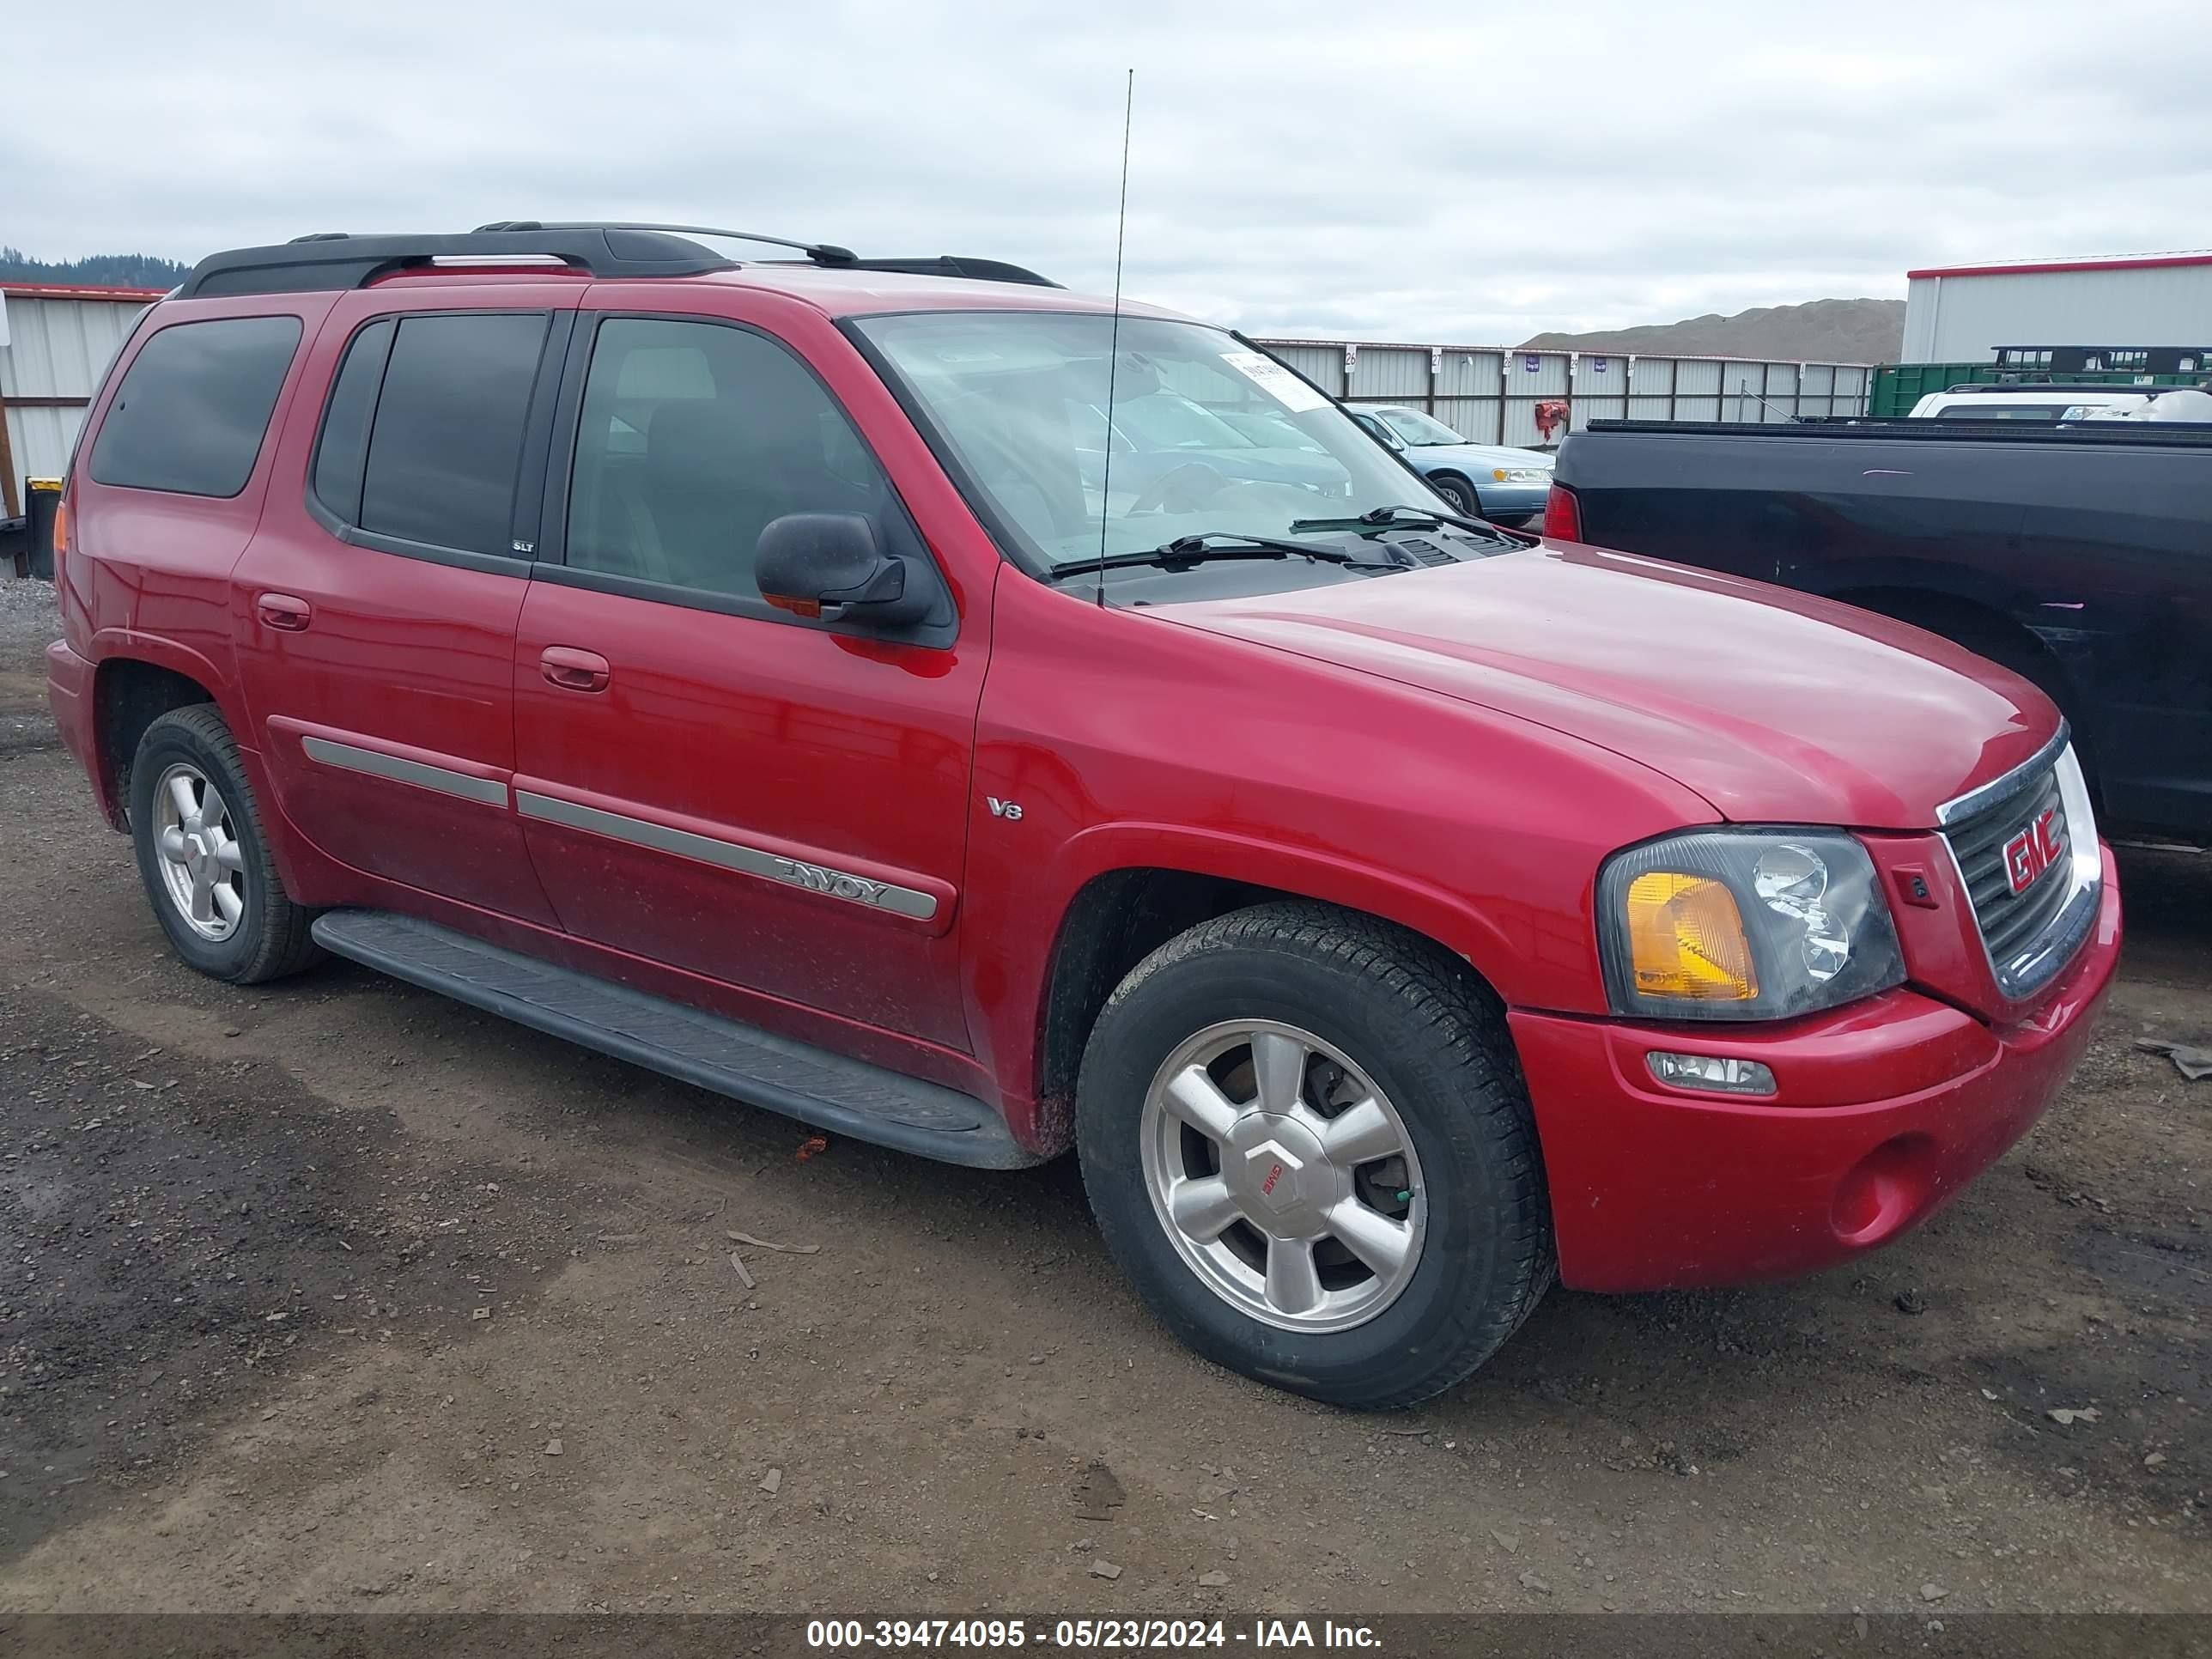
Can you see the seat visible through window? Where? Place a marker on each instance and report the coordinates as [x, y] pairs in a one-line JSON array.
[[694, 437]]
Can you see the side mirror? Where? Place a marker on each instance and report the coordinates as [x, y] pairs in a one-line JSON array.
[[809, 563]]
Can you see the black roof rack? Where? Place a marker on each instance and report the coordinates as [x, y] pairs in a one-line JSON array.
[[822, 253], [333, 259], [956, 264]]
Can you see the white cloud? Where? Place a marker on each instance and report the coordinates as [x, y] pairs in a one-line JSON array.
[[1471, 173]]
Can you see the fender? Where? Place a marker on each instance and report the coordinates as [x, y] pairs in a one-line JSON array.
[[1014, 931], [130, 645], [1311, 872], [133, 645]]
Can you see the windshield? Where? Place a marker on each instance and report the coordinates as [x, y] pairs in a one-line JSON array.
[[1422, 431], [1207, 436], [1164, 420]]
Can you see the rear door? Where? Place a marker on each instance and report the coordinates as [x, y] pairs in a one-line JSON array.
[[776, 804], [378, 601]]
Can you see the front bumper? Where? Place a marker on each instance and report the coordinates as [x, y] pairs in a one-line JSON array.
[[1886, 1110], [1510, 501]]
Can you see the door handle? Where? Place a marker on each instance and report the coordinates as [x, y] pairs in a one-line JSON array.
[[282, 611], [573, 670]]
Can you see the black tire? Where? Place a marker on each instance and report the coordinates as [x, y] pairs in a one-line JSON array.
[[1460, 493], [271, 940], [1394, 1005]]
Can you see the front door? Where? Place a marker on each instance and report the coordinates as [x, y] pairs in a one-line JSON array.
[[774, 803], [378, 599]]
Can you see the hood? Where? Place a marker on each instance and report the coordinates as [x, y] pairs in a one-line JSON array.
[[1774, 706], [1481, 457]]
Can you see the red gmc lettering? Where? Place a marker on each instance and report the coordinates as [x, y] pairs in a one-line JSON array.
[[2033, 851]]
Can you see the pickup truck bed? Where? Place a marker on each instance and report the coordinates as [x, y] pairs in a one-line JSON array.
[[2079, 557]]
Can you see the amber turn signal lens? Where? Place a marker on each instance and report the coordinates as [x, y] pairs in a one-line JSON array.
[[1685, 938], [61, 528]]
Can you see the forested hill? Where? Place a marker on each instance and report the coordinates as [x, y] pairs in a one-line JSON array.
[[99, 270]]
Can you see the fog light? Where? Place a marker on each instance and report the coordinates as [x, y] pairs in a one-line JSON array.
[[1731, 1077]]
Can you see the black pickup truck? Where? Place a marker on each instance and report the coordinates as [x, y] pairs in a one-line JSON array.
[[2079, 557]]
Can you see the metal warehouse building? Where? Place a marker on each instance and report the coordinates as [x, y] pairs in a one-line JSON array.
[[1964, 313], [55, 343]]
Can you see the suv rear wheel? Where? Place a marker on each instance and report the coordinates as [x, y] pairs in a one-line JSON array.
[[1308, 1144], [203, 857]]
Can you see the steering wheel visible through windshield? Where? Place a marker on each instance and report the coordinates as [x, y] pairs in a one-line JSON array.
[[1205, 436]]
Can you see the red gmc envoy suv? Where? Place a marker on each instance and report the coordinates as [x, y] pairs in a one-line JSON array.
[[910, 698]]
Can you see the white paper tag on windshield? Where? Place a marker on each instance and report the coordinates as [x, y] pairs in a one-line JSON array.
[[1278, 382]]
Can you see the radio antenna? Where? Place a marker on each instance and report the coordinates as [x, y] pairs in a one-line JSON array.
[[1114, 333]]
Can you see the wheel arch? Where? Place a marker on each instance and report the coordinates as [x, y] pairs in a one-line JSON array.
[[129, 693], [1120, 913]]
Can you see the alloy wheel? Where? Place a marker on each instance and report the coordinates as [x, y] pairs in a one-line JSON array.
[[202, 866], [1282, 1175]]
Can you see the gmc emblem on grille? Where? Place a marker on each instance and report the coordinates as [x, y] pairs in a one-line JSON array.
[[2033, 851]]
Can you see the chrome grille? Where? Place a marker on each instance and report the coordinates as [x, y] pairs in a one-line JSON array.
[[2030, 934], [2010, 919]]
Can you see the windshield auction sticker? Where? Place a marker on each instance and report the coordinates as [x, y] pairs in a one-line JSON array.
[[1278, 382]]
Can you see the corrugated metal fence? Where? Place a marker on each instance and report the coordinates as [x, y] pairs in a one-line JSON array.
[[55, 343], [1488, 394]]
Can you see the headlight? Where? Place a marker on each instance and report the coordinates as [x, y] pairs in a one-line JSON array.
[[1522, 474], [1744, 924]]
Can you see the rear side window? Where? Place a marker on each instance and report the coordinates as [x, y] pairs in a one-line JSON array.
[[445, 419], [194, 406], [344, 445]]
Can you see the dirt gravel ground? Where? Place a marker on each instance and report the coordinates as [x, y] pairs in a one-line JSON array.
[[336, 1296]]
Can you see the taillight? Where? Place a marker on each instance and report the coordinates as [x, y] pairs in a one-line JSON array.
[[1563, 514], [61, 535]]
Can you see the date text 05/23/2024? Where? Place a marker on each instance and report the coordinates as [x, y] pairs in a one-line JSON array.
[[1088, 1633]]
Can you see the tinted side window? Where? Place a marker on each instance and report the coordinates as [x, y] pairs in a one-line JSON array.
[[344, 447], [693, 436], [194, 405], [447, 438]]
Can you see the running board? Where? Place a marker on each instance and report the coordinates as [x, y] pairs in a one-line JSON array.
[[826, 1091]]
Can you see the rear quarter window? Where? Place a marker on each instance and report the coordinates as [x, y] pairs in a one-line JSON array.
[[194, 406]]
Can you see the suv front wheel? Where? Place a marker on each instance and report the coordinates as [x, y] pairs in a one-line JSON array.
[[1308, 1144]]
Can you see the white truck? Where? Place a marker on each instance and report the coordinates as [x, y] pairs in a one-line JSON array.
[[2042, 401]]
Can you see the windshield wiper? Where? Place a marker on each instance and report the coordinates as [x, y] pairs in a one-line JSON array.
[[1185, 552], [1376, 519]]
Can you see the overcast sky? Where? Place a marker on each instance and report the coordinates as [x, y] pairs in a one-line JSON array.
[[1415, 170]]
